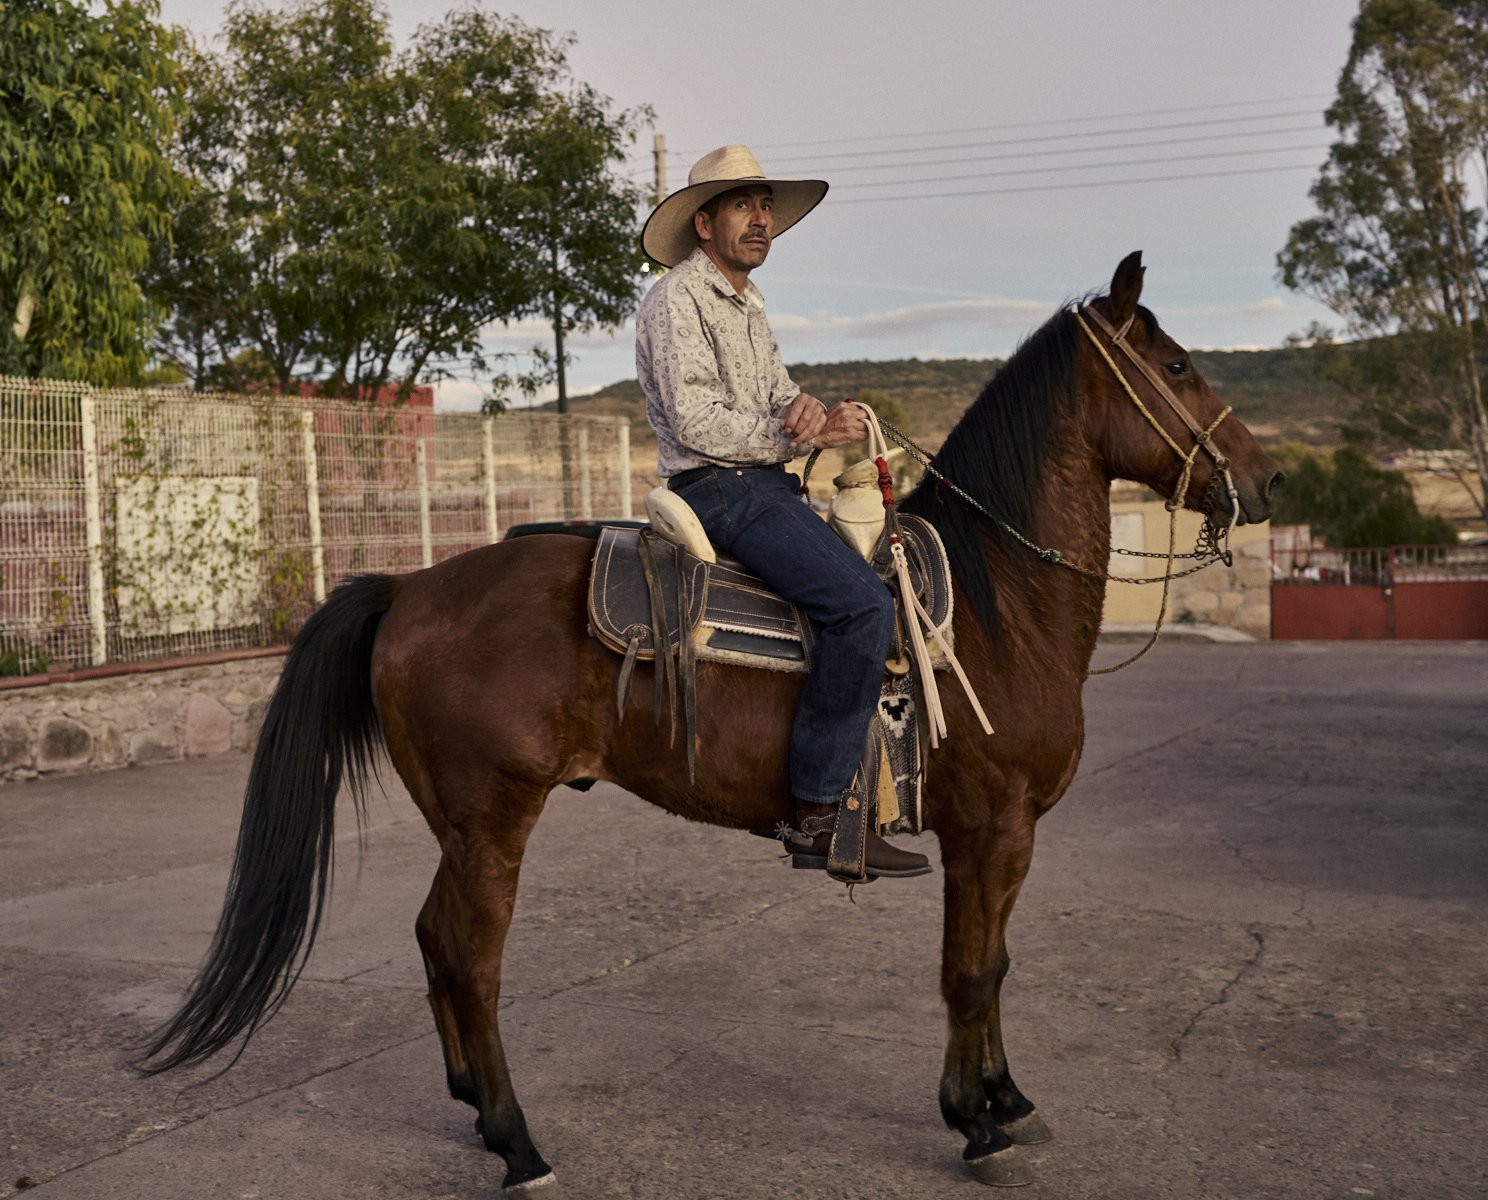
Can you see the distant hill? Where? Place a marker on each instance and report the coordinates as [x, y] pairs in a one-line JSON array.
[[1275, 392]]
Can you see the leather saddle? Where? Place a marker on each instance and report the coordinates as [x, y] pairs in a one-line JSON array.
[[642, 586]]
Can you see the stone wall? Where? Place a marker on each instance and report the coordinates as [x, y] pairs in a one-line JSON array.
[[119, 721], [1238, 597]]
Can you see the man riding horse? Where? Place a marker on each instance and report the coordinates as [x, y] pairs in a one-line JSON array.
[[727, 418]]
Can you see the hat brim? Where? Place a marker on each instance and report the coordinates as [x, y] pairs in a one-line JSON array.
[[669, 235]]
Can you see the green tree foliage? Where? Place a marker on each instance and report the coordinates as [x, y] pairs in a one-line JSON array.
[[362, 215], [89, 96], [1350, 501], [1397, 248]]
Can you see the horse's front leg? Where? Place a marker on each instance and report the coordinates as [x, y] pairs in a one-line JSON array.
[[1010, 1108], [985, 864]]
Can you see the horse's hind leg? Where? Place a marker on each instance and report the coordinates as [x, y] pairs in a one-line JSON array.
[[462, 931], [984, 869], [432, 928]]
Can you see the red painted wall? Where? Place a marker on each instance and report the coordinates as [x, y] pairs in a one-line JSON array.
[[1440, 610], [1329, 612], [1447, 609]]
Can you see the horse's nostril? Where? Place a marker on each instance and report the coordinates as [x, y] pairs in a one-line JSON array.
[[1274, 484]]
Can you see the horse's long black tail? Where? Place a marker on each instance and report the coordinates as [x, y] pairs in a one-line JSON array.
[[321, 730]]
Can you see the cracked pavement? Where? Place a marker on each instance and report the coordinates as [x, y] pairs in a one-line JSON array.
[[1251, 960]]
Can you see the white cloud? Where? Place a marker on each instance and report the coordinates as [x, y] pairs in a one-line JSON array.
[[519, 335], [458, 395], [1271, 306], [919, 321]]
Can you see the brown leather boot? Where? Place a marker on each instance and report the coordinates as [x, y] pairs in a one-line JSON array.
[[817, 821]]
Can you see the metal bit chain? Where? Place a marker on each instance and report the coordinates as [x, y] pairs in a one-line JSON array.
[[1207, 550]]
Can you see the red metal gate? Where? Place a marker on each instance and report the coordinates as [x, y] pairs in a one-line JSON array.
[[1438, 592]]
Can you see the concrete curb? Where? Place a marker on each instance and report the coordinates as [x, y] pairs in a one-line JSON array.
[[1135, 631]]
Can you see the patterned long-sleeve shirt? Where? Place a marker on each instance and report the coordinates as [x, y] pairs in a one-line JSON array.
[[716, 389]]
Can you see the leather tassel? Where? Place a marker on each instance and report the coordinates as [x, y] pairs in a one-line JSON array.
[[665, 669], [627, 674], [686, 670]]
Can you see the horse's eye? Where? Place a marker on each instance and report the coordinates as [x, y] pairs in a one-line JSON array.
[[1179, 368]]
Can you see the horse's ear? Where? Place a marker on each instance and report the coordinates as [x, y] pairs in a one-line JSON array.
[[1126, 288]]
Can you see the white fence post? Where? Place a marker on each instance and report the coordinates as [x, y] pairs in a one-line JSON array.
[[312, 504], [426, 530], [488, 470], [93, 522], [586, 488], [625, 469]]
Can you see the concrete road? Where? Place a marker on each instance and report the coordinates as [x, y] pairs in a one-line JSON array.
[[1251, 961]]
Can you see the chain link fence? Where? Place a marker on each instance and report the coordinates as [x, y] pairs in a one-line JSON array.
[[138, 525]]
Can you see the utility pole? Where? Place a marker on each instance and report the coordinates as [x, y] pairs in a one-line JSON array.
[[557, 303], [565, 455], [658, 153], [558, 320]]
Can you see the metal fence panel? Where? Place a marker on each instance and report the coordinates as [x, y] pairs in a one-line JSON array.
[[1304, 564], [136, 525]]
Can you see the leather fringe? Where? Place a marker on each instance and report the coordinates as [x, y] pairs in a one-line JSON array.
[[687, 675], [675, 672], [627, 674], [664, 676]]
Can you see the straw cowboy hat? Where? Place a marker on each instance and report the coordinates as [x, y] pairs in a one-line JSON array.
[[669, 236]]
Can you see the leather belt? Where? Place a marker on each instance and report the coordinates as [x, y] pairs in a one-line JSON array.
[[682, 478]]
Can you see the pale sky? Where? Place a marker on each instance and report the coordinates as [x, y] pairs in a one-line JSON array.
[[1218, 105]]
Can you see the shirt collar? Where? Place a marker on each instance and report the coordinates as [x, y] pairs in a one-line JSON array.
[[699, 261]]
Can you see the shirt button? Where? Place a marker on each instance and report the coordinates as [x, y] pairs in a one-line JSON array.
[[738, 472]]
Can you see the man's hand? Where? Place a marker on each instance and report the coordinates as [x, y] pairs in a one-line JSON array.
[[846, 422], [804, 420]]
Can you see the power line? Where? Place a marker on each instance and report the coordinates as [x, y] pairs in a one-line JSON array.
[[1084, 166], [1055, 122], [1066, 150], [1122, 116], [1065, 137], [1086, 135], [1090, 185]]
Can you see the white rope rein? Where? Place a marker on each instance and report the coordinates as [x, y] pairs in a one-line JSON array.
[[916, 619]]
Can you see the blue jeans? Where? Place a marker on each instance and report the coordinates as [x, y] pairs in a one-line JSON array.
[[757, 517]]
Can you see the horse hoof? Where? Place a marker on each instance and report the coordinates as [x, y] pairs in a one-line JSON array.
[[544, 1187], [1028, 1130], [1003, 1168]]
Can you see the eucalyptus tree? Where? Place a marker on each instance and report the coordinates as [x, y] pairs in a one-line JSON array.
[[1397, 247], [1350, 501], [89, 96]]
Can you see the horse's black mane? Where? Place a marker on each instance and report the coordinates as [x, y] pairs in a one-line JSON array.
[[996, 453]]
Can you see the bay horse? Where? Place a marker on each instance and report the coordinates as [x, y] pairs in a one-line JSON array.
[[424, 664]]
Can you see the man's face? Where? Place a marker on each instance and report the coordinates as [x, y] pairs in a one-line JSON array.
[[738, 237]]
